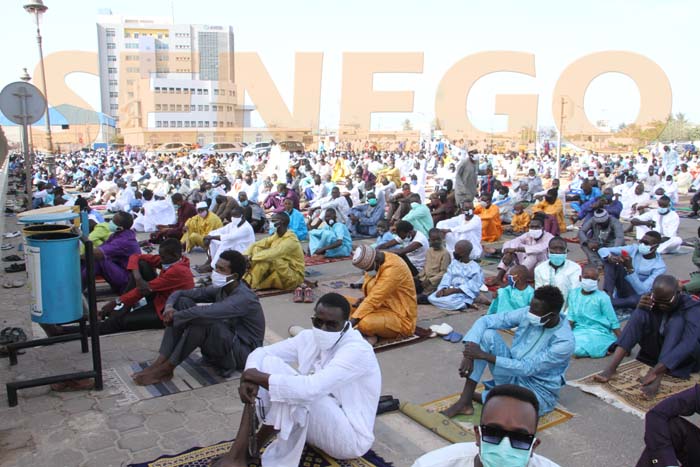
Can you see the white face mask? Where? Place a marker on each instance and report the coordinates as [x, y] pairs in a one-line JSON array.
[[220, 280], [537, 320], [535, 233], [326, 340]]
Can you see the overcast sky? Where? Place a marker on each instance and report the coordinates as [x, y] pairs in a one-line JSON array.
[[556, 32]]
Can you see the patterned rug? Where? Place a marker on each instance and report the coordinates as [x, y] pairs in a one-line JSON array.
[[555, 417], [623, 392], [311, 457], [189, 375], [385, 344], [271, 292], [316, 260]]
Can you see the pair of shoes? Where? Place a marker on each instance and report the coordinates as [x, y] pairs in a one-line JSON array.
[[74, 385], [443, 329], [303, 294], [16, 267], [6, 246], [298, 295], [12, 234], [453, 337], [12, 258], [13, 284]]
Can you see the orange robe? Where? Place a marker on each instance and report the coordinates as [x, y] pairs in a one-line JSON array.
[[491, 227], [520, 222], [389, 308], [556, 210]]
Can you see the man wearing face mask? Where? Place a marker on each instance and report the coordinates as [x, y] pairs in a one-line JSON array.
[[666, 326], [320, 388], [592, 317], [276, 262], [537, 360], [491, 227], [464, 226], [362, 219], [662, 220], [224, 320], [558, 271], [388, 307], [505, 435], [419, 215], [331, 240], [600, 231], [529, 250], [199, 226], [334, 201], [459, 286], [237, 235], [631, 270], [253, 213], [670, 188]]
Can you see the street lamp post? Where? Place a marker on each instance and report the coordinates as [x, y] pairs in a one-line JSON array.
[[26, 78], [37, 8]]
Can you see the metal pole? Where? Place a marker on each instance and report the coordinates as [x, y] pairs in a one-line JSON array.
[[561, 130], [25, 148], [49, 139]]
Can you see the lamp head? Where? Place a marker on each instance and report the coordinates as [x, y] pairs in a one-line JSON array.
[[35, 7]]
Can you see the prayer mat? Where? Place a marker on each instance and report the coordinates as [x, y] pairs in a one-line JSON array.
[[271, 292], [623, 392], [311, 457], [189, 375], [316, 260], [419, 335], [571, 239], [467, 422]]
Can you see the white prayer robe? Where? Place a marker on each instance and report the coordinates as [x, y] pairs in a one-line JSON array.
[[463, 229], [156, 212], [330, 402], [463, 455], [233, 237]]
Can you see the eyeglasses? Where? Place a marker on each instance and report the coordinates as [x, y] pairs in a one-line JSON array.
[[328, 325], [494, 435]]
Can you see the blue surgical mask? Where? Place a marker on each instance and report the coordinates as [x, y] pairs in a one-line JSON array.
[[503, 454], [589, 285], [663, 211], [113, 227], [244, 203], [644, 249], [557, 259], [372, 201], [537, 320]]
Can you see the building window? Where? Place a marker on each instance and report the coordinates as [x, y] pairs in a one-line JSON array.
[[214, 124], [131, 58], [199, 91], [206, 124], [165, 124], [179, 107], [130, 95], [206, 92], [113, 107], [111, 58], [178, 90], [157, 107], [172, 90], [131, 45], [193, 124], [159, 124], [111, 45], [221, 124], [187, 124], [206, 108], [172, 124], [111, 70], [200, 107], [192, 108], [127, 35], [179, 124], [172, 107], [200, 124], [113, 82], [156, 90], [129, 82], [111, 32], [216, 92], [113, 94]]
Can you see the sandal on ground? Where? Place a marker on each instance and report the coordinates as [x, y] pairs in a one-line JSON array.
[[298, 295], [16, 267], [308, 295], [74, 385], [12, 258], [13, 284]]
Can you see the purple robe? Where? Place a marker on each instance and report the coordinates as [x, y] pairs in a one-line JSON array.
[[116, 250]]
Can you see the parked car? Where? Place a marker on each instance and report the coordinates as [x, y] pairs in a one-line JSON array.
[[177, 149], [257, 148], [292, 146], [220, 148]]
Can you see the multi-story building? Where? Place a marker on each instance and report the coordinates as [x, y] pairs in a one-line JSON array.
[[169, 82]]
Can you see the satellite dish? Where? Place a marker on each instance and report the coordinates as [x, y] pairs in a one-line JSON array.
[[22, 103]]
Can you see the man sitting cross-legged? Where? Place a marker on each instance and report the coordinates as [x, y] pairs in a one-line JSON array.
[[666, 325], [227, 327], [276, 262], [460, 285], [537, 360], [320, 388], [504, 437]]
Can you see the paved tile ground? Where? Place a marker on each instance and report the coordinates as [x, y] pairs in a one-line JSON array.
[[91, 429]]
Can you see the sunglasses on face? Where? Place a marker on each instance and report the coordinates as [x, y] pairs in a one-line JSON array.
[[494, 435], [327, 325]]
